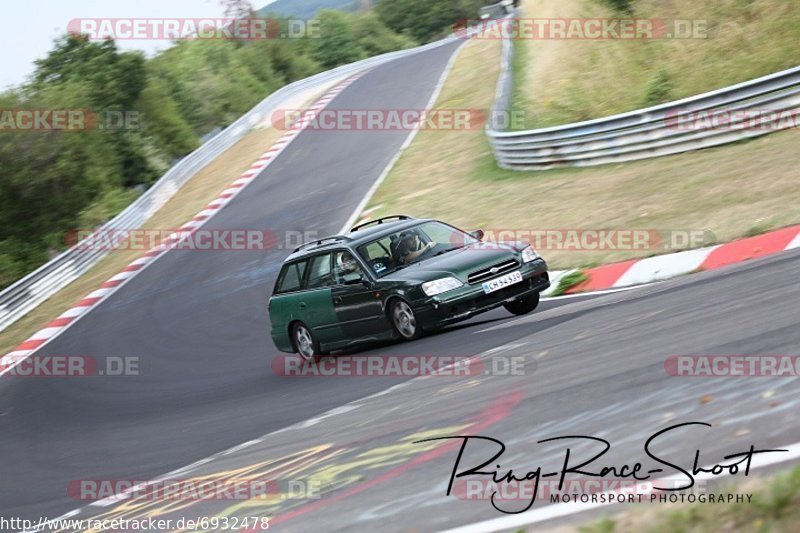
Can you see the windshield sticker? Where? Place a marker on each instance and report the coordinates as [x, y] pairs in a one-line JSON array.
[[378, 267]]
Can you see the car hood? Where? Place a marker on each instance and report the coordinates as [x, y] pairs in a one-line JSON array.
[[458, 263]]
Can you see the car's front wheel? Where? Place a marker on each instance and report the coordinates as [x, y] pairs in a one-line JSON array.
[[524, 305], [305, 343], [404, 320]]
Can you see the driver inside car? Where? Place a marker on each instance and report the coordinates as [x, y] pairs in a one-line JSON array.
[[411, 247], [348, 269]]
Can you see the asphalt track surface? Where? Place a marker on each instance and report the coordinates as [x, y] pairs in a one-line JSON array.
[[593, 366]]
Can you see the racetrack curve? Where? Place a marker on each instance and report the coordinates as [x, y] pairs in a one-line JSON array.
[[197, 321]]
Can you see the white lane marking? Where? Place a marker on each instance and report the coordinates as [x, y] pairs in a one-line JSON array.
[[598, 293], [393, 388], [45, 333], [242, 446], [565, 509], [139, 261], [116, 277], [795, 242], [333, 412], [10, 356], [663, 267], [99, 293], [206, 213], [411, 135]]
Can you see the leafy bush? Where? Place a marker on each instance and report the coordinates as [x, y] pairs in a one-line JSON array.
[[336, 44], [424, 20], [569, 281]]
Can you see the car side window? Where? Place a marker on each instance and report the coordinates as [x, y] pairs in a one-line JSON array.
[[378, 255], [346, 268], [291, 277], [319, 272]]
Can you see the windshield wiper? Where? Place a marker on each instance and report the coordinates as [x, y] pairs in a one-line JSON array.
[[445, 251]]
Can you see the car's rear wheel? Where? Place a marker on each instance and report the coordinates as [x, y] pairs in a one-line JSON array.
[[306, 345], [404, 320], [524, 305]]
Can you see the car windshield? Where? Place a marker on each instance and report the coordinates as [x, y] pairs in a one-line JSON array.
[[412, 245]]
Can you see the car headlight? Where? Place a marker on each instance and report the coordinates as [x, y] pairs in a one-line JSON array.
[[529, 254], [438, 286]]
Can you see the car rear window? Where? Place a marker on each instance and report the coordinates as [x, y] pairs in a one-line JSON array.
[[319, 272], [291, 277]]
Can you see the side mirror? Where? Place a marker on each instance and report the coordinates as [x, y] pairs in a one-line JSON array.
[[478, 234]]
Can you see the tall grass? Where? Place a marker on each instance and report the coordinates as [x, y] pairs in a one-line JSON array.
[[744, 39]]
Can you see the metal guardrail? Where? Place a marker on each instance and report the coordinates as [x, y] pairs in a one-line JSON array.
[[27, 293], [652, 132]]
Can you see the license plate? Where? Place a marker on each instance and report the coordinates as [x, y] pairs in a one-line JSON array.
[[502, 282]]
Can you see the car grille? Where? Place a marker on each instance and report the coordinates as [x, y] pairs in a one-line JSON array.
[[479, 276]]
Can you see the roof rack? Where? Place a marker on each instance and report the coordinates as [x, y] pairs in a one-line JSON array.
[[380, 221], [321, 242]]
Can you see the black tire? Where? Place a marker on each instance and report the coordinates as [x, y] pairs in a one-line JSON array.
[[404, 320], [523, 306], [305, 343]]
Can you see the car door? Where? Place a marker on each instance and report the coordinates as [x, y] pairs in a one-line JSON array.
[[284, 304], [357, 306], [315, 301]]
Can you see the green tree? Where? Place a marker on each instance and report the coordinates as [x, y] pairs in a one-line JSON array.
[[374, 38], [113, 80], [164, 121], [336, 43], [424, 20]]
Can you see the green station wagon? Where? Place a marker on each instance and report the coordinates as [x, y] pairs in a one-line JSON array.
[[394, 278]]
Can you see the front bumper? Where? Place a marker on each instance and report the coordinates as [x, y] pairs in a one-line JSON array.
[[470, 300]]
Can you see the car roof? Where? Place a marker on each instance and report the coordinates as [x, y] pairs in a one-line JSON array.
[[354, 239]]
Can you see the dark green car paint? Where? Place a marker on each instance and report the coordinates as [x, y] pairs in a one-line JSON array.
[[345, 314]]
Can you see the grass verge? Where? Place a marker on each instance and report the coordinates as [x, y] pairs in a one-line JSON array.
[[569, 80], [568, 281]]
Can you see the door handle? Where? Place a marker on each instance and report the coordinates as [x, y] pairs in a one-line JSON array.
[[337, 300], [302, 305]]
